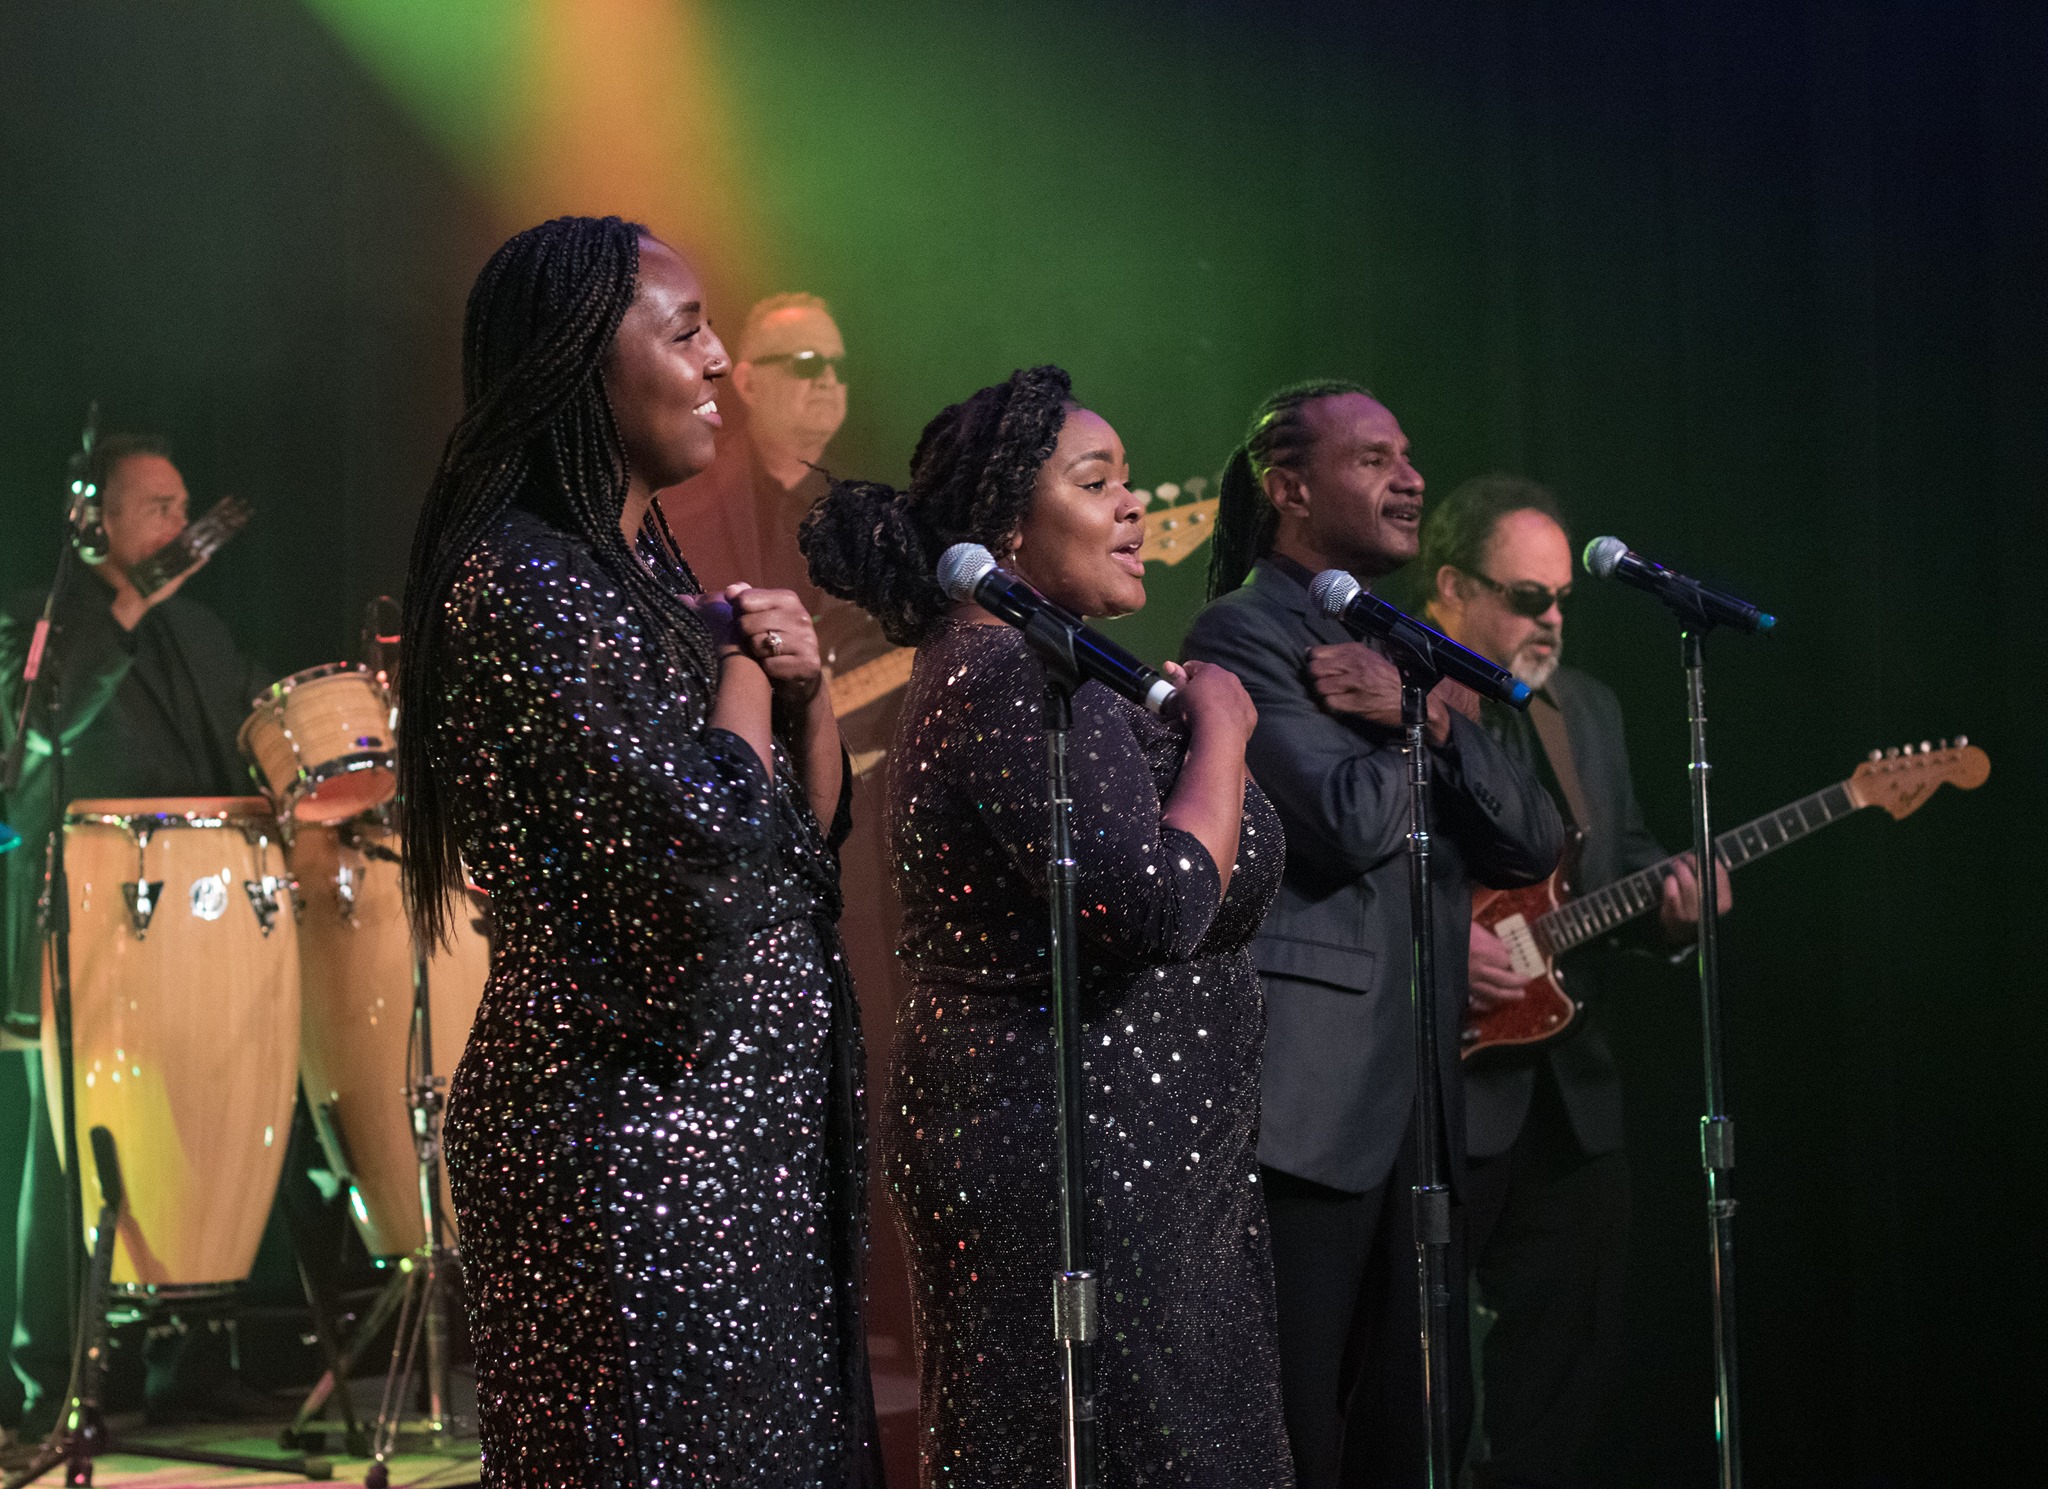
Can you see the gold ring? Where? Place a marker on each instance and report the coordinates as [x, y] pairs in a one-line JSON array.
[[772, 640]]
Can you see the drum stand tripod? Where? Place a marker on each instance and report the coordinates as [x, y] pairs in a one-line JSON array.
[[425, 1277]]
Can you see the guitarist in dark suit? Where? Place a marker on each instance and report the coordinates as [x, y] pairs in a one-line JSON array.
[[1324, 480], [1547, 1181]]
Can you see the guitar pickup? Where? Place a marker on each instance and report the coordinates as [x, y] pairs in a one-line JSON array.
[[1519, 937]]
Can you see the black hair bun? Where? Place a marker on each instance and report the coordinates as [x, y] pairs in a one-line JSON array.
[[862, 545]]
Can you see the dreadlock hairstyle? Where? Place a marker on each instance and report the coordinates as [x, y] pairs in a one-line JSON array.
[[536, 432], [1278, 438], [971, 479]]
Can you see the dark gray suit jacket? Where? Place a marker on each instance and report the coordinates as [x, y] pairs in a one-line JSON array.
[[1616, 844], [1334, 954]]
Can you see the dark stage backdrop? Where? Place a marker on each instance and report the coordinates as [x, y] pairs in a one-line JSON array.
[[1758, 286]]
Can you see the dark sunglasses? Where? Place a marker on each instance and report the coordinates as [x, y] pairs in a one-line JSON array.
[[810, 366], [1530, 601]]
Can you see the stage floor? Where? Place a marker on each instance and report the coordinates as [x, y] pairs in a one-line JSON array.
[[450, 1469]]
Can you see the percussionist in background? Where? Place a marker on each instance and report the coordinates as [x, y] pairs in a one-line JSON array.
[[151, 689]]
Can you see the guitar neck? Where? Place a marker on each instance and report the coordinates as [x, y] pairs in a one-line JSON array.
[[1613, 905]]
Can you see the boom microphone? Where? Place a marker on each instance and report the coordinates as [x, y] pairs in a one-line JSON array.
[[1339, 595], [968, 571], [1610, 558]]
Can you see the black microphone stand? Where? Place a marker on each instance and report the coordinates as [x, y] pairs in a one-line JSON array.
[[1431, 1195], [1717, 1127], [1076, 1288]]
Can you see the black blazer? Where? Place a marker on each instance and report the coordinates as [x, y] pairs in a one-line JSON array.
[[1616, 844], [1334, 954]]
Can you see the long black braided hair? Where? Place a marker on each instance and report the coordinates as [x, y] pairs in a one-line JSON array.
[[1278, 437], [536, 432], [971, 480]]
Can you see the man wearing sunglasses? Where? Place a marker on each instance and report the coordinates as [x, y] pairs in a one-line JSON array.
[[1548, 1197], [737, 521]]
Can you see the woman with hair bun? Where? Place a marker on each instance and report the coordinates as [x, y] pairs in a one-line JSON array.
[[1179, 856], [654, 1135]]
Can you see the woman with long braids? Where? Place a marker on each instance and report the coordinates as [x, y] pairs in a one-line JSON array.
[[654, 1136], [1178, 857]]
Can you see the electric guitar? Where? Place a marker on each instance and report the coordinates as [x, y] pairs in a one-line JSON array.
[[1540, 923]]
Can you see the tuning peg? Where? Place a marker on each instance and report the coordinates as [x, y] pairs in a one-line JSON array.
[[1926, 747], [1168, 491], [1877, 754], [1962, 741], [1196, 485], [1892, 753], [1144, 497]]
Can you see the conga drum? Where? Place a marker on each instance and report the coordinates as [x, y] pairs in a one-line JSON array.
[[356, 973], [321, 741], [184, 1019]]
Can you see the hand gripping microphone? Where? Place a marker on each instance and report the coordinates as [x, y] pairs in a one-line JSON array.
[[968, 571], [1339, 595], [1610, 558]]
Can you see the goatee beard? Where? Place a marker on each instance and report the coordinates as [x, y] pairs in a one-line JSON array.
[[1536, 671]]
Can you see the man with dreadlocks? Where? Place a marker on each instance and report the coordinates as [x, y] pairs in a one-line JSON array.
[[1324, 480], [654, 1135]]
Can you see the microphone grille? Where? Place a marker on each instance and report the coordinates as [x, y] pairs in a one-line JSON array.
[[1332, 590], [1602, 555], [963, 566]]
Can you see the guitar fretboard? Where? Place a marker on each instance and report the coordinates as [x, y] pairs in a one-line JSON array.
[[1614, 905]]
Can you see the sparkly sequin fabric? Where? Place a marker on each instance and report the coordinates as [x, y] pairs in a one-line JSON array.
[[653, 1135], [1188, 1367]]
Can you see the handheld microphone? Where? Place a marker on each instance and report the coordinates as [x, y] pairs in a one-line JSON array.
[[1339, 595], [968, 571], [1610, 558]]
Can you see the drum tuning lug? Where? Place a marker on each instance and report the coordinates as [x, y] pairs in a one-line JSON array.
[[143, 896], [263, 899]]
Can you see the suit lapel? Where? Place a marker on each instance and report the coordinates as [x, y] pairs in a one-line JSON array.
[[1285, 592]]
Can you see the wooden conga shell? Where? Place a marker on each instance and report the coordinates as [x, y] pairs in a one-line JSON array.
[[185, 1029], [321, 740], [356, 974]]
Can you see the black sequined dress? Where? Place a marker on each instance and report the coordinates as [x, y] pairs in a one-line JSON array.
[[653, 1136], [1188, 1368]]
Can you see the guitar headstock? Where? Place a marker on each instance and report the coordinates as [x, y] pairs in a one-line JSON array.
[[1176, 529], [1902, 778]]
